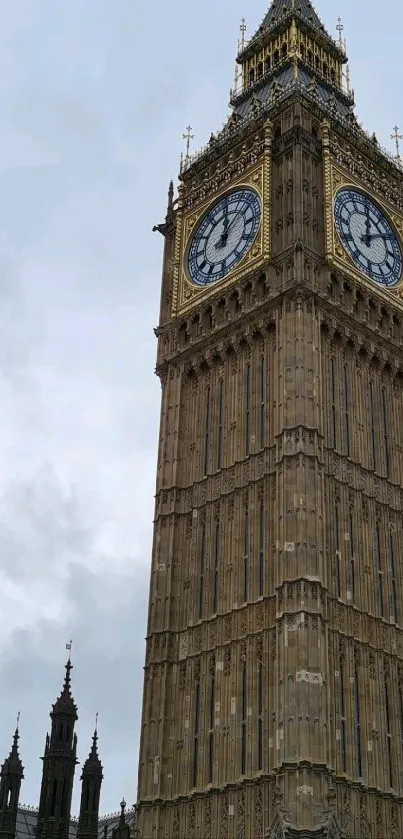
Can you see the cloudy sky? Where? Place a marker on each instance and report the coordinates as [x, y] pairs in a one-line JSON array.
[[94, 96]]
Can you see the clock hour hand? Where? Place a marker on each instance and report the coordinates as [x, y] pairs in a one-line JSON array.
[[224, 235], [369, 236]]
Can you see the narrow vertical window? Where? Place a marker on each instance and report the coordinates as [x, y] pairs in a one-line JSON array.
[[342, 716], [357, 724], [196, 734], [393, 585], [332, 418], [352, 560], [260, 718], [372, 429], [261, 549], [245, 555], [220, 423], [378, 573], [211, 732], [346, 419], [216, 566], [262, 402], [247, 407], [385, 432], [202, 572], [388, 727], [243, 721], [337, 550], [207, 431]]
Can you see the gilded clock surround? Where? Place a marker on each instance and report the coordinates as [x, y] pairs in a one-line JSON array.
[[185, 292], [335, 179]]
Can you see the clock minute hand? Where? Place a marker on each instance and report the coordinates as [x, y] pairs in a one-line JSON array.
[[224, 235], [370, 236]]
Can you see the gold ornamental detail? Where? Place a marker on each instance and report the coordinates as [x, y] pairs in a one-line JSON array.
[[335, 179], [186, 294]]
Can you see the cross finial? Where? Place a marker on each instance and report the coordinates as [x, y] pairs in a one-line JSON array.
[[396, 137], [188, 137], [340, 29], [242, 30], [69, 648]]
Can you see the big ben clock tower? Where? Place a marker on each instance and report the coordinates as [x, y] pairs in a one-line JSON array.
[[273, 692]]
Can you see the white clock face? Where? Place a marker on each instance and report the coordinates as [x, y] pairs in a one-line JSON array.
[[368, 237], [224, 236]]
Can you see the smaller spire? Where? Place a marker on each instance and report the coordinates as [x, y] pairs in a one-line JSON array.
[[188, 137], [65, 703], [396, 136], [93, 765], [13, 764]]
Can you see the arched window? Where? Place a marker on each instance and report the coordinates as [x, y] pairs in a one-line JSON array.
[[325, 68], [251, 75], [260, 69], [310, 56], [268, 63], [302, 51], [284, 50], [276, 57]]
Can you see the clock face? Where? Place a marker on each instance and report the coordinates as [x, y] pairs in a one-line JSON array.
[[224, 236], [368, 237]]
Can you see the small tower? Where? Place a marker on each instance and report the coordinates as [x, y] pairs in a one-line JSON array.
[[59, 762], [122, 831], [91, 778], [11, 775]]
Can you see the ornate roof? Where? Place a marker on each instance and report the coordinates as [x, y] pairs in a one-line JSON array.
[[301, 8]]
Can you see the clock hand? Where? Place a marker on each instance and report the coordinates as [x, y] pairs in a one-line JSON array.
[[224, 235], [368, 228], [370, 236]]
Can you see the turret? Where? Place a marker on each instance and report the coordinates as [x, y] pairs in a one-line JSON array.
[[59, 762], [91, 778], [11, 775], [122, 831]]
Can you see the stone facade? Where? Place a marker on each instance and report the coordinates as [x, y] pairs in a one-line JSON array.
[[273, 693]]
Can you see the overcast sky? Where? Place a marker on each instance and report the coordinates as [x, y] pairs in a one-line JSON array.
[[94, 96]]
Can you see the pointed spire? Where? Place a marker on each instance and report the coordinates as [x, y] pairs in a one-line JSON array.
[[93, 765], [279, 15], [301, 8], [13, 765], [65, 703]]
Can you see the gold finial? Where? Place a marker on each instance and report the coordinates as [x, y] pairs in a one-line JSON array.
[[396, 137], [242, 30], [188, 137], [340, 29], [69, 647]]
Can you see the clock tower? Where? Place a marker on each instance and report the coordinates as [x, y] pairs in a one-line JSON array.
[[273, 690]]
